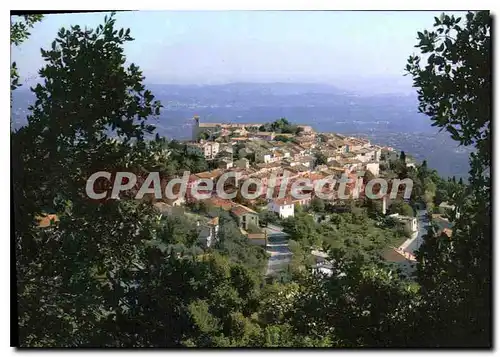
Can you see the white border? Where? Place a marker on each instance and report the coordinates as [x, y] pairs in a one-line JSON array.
[[445, 5], [192, 5]]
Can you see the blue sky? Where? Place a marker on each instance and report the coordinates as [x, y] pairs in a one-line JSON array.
[[358, 50]]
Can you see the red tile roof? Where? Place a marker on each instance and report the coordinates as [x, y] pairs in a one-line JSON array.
[[209, 174], [46, 221], [221, 203], [240, 210], [283, 201]]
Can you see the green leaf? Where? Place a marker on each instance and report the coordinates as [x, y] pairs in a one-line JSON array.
[[448, 43]]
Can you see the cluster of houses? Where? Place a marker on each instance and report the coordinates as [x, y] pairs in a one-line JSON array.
[[207, 224], [253, 154]]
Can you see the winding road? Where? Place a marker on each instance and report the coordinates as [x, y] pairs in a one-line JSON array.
[[281, 255], [277, 247]]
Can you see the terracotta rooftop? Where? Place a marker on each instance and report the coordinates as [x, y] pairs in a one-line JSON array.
[[393, 256], [269, 165], [209, 174], [315, 176], [46, 221], [220, 203], [283, 201], [240, 210]]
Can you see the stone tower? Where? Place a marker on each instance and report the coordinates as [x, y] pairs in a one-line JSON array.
[[196, 128]]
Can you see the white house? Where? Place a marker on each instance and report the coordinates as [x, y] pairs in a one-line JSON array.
[[284, 207], [373, 167], [409, 223], [225, 163], [262, 135], [263, 157], [209, 149]]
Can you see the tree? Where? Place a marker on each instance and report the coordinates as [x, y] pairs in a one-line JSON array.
[[301, 228], [407, 210], [203, 136], [402, 156], [364, 295], [280, 126], [317, 205], [368, 176], [79, 265], [266, 217], [19, 32], [19, 29], [112, 272], [252, 228], [454, 90], [321, 159], [283, 138]]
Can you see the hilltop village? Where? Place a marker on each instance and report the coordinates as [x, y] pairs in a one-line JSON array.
[[256, 151]]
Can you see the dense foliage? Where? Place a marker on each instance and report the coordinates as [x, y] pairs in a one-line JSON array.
[[281, 126], [19, 32], [454, 90]]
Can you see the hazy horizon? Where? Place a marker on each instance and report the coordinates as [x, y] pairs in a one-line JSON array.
[[359, 51]]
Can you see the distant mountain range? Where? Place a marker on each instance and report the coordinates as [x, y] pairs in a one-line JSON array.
[[390, 119]]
